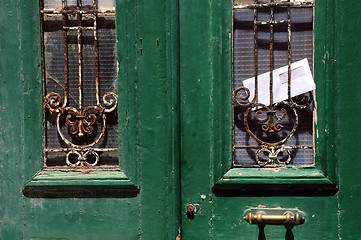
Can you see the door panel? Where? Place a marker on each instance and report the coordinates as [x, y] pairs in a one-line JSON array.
[[348, 74], [221, 194], [148, 116]]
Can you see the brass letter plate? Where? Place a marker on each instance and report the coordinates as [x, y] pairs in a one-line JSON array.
[[274, 216]]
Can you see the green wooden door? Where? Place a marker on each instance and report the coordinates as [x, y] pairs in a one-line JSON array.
[[220, 192], [140, 201]]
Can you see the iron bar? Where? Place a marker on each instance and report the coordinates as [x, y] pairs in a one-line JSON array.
[[270, 22], [255, 35], [69, 149], [82, 169], [261, 146], [78, 28], [277, 4], [96, 54], [80, 87], [289, 53], [271, 59], [79, 33], [77, 11], [66, 64]]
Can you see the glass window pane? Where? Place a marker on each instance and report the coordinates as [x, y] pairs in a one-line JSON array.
[[106, 4], [52, 4], [80, 89], [264, 42]]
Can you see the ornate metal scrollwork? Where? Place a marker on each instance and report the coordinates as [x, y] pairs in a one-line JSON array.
[[73, 126], [268, 118], [81, 123], [82, 159]]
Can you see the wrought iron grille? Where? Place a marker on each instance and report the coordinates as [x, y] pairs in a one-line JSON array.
[[79, 84], [268, 35]]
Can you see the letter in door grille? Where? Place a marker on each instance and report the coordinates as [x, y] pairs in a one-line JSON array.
[[271, 40]]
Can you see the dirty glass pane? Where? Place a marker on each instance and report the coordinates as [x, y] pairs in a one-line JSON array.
[[106, 4], [80, 88], [277, 132], [52, 4]]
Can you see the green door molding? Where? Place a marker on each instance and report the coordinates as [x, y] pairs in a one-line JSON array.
[[127, 178]]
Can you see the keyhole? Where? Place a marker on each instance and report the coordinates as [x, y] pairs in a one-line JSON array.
[[190, 211]]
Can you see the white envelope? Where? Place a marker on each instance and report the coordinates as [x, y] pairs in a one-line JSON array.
[[301, 82]]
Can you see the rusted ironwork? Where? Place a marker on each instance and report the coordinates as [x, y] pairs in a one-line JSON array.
[[273, 22], [260, 146], [84, 168], [269, 118], [69, 149], [255, 37], [271, 59], [286, 3], [289, 52], [81, 119], [75, 11], [66, 65], [79, 28], [80, 78], [96, 52]]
